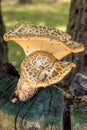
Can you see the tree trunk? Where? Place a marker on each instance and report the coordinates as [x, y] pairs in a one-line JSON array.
[[25, 1], [3, 45], [77, 28]]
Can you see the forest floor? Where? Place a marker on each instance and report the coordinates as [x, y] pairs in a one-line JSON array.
[[47, 13]]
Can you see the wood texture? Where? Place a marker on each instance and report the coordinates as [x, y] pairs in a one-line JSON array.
[[77, 28]]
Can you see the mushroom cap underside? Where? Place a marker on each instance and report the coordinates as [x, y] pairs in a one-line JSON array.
[[39, 38]]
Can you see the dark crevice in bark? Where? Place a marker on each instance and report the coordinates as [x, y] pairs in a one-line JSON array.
[[66, 117]]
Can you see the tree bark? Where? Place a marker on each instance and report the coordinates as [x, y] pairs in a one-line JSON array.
[[3, 46], [77, 28]]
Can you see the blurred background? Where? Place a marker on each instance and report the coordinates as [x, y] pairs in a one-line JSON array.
[[52, 13]]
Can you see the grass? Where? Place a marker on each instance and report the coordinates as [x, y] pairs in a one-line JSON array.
[[41, 12]]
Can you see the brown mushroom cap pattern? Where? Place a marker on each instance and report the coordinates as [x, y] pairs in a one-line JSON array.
[[43, 69], [25, 30], [35, 38], [44, 47]]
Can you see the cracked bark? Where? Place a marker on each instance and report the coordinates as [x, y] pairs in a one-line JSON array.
[[77, 28]]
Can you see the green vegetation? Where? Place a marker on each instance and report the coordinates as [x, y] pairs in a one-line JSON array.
[[41, 12]]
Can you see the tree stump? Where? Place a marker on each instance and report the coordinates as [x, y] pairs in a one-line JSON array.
[[42, 112]]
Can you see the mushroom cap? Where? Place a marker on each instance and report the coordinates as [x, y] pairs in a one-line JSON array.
[[39, 69], [39, 38], [43, 69]]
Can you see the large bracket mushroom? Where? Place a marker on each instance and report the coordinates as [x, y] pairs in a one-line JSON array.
[[44, 48]]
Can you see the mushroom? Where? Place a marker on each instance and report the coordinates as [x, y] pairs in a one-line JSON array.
[[39, 38], [44, 47]]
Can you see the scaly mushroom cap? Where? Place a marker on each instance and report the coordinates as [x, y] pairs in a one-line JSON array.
[[43, 69], [40, 69], [39, 38]]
